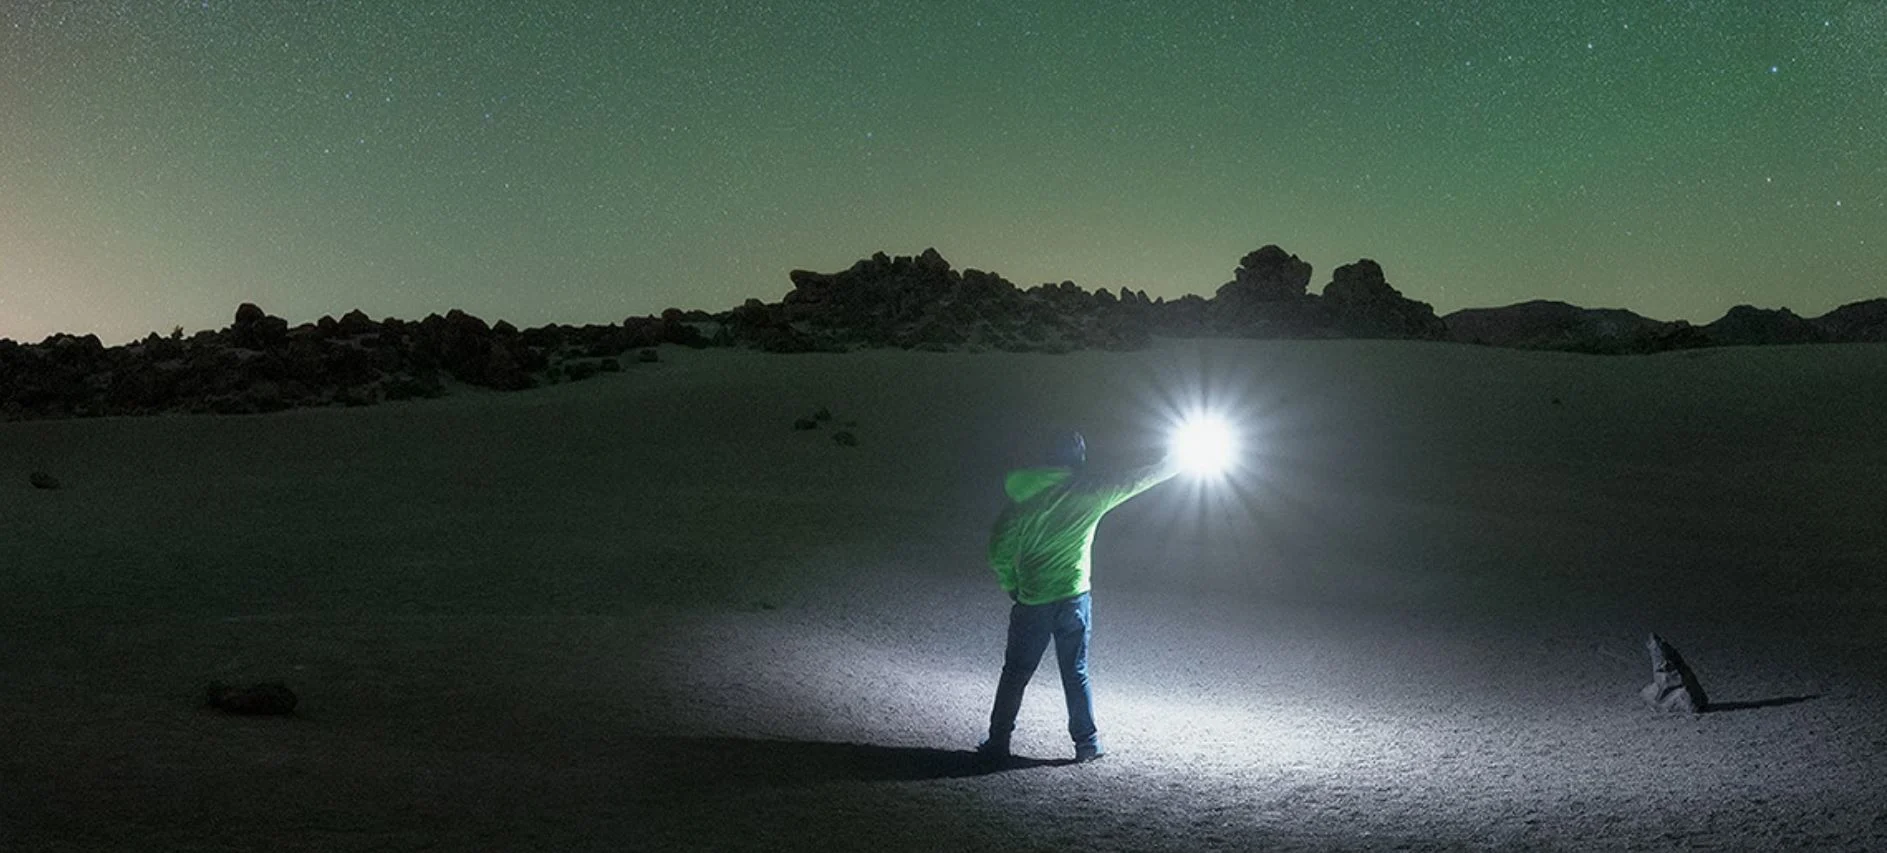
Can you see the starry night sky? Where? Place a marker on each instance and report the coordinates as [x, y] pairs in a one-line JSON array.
[[541, 161]]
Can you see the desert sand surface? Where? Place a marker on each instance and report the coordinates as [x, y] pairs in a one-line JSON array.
[[643, 612]]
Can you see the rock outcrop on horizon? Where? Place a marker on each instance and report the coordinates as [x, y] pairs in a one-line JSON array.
[[1365, 306], [261, 364], [1856, 322], [922, 303], [1543, 324], [1268, 297], [1547, 325], [1748, 325]]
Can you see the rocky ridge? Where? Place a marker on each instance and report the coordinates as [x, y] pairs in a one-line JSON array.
[[1558, 326], [261, 364]]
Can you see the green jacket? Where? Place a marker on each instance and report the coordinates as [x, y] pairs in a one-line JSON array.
[[1041, 543]]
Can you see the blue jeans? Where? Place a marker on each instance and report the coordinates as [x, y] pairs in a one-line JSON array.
[[1030, 627]]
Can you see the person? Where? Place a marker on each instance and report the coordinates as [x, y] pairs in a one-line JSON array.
[[1040, 549]]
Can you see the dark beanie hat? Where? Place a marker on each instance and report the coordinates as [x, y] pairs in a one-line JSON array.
[[1068, 449]]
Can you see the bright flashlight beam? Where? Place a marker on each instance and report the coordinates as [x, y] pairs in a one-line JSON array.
[[1204, 446]]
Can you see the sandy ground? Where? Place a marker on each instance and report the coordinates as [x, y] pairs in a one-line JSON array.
[[642, 612]]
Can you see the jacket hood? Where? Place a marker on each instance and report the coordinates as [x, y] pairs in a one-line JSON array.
[[1025, 483]]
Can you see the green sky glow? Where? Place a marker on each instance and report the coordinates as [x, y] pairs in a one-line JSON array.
[[547, 161]]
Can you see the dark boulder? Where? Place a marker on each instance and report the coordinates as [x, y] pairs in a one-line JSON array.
[[355, 322], [1269, 274], [77, 352], [602, 341], [140, 388], [347, 365], [461, 343], [1187, 316], [548, 337], [1268, 298], [154, 348], [1673, 686], [1360, 283], [641, 332], [305, 360], [254, 329], [1364, 305], [679, 327], [506, 368]]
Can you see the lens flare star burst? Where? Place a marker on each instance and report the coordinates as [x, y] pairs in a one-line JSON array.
[[1205, 445]]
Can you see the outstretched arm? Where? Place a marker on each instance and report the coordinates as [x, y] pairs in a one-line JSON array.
[[1119, 487]]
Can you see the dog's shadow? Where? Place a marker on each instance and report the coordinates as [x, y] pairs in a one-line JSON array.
[[761, 762], [1777, 702]]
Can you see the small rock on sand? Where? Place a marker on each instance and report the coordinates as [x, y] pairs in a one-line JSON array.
[[1673, 686]]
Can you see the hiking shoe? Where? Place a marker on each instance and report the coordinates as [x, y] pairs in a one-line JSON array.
[[1086, 753]]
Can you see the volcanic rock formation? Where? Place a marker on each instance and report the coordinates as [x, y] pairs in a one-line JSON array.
[[260, 364], [1365, 306]]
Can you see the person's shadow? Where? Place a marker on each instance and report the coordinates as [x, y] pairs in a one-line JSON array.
[[1720, 707], [759, 762]]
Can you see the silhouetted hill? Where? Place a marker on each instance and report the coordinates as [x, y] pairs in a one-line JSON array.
[[1543, 324], [1549, 325], [1746, 325], [1856, 322]]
